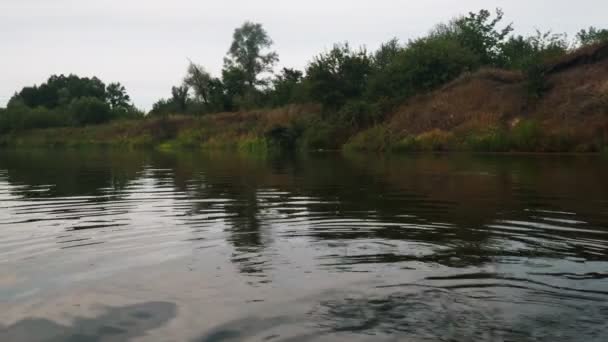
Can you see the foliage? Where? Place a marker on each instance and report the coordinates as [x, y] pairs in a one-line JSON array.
[[61, 90], [357, 114], [339, 75], [287, 87], [179, 97], [386, 54], [423, 65], [356, 89], [117, 96], [592, 36], [526, 135], [435, 140], [246, 53], [90, 110], [199, 80], [478, 32], [283, 138], [492, 139], [375, 139], [66, 101]]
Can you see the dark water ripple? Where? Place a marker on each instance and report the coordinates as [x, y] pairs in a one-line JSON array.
[[328, 247]]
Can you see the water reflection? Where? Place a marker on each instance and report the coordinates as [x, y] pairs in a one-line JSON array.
[[116, 324], [497, 240]]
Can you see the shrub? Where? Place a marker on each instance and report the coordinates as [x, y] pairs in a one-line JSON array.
[[356, 115], [406, 144], [252, 144], [319, 136], [376, 139], [435, 140], [337, 76], [493, 139], [90, 110], [526, 135], [283, 138]]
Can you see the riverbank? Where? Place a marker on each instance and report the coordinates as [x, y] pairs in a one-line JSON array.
[[490, 110]]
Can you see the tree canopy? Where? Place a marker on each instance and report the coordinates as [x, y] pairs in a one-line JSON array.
[[247, 54]]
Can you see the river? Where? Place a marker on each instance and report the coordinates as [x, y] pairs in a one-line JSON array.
[[108, 245]]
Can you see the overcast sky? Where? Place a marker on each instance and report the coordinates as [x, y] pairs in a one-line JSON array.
[[145, 44]]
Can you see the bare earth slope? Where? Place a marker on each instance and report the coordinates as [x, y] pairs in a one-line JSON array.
[[575, 102]]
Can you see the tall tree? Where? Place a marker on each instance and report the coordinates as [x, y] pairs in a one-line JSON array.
[[199, 80], [117, 95], [338, 75], [247, 53], [179, 96]]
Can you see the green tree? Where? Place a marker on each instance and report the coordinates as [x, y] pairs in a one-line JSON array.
[[592, 36], [286, 86], [247, 54], [480, 33], [234, 83], [199, 80], [90, 110], [61, 90], [117, 96], [339, 75], [521, 53], [180, 97], [422, 65], [386, 54]]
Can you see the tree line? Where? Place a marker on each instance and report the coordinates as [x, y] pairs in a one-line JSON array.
[[67, 101], [356, 87]]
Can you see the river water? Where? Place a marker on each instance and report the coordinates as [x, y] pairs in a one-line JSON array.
[[106, 245]]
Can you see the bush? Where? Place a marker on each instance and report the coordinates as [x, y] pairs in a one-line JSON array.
[[376, 139], [90, 110], [422, 66], [283, 138], [337, 76], [406, 144], [435, 140], [526, 135], [493, 139], [359, 114], [20, 117], [320, 136]]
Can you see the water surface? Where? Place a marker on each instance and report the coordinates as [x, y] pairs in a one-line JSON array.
[[114, 245]]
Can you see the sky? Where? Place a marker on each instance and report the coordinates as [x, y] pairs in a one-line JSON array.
[[146, 44]]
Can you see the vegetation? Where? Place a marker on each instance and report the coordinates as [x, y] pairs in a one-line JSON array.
[[349, 94], [67, 101]]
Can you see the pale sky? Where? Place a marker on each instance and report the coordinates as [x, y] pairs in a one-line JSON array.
[[145, 44]]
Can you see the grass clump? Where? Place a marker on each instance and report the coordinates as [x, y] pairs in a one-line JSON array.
[[435, 140], [494, 139], [375, 139]]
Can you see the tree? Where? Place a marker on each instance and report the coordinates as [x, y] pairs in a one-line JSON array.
[[480, 33], [180, 97], [90, 110], [234, 83], [246, 53], [422, 65], [592, 36], [521, 53], [117, 96], [60, 90], [386, 54], [199, 80], [338, 75], [286, 86]]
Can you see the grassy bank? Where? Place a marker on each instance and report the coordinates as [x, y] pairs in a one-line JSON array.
[[489, 110], [280, 130]]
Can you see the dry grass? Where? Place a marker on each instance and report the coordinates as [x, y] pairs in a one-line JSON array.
[[575, 105]]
